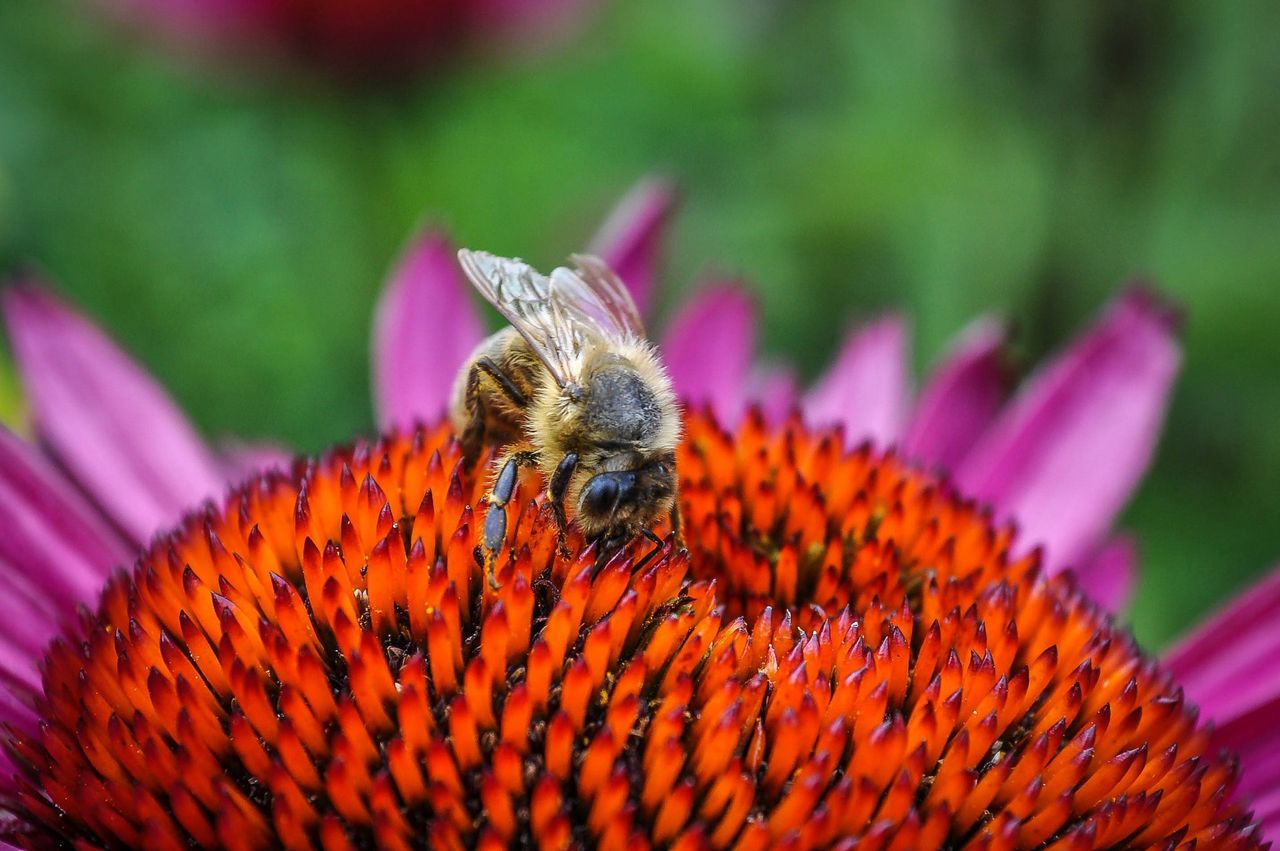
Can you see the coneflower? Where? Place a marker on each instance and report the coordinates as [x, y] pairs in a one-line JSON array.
[[848, 654], [812, 559]]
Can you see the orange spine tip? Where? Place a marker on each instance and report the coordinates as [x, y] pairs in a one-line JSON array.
[[847, 656]]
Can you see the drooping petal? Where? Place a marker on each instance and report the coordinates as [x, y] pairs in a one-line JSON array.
[[1254, 736], [55, 553], [47, 526], [425, 328], [1266, 809], [1110, 574], [708, 349], [630, 240], [1230, 663], [1086, 425], [32, 613], [962, 397], [110, 424], [17, 711], [866, 389]]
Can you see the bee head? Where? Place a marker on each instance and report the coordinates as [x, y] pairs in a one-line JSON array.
[[623, 501]]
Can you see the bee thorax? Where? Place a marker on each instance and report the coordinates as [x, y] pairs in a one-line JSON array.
[[620, 407]]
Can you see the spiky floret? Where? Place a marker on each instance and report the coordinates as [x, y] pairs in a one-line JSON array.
[[319, 664]]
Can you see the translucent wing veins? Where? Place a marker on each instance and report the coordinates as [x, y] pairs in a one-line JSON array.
[[559, 316]]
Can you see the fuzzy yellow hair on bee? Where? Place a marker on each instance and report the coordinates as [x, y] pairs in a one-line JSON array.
[[575, 389]]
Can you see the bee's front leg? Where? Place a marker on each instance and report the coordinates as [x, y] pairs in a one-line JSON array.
[[556, 489], [495, 518]]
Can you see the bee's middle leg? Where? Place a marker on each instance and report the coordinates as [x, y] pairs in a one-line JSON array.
[[495, 518]]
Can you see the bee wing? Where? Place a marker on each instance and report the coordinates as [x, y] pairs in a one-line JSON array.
[[594, 290], [524, 298], [561, 315]]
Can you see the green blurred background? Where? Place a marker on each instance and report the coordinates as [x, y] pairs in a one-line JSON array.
[[948, 158]]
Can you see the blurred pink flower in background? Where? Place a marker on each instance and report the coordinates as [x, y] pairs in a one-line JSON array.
[[116, 462], [352, 39]]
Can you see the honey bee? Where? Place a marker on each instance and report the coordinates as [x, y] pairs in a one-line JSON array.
[[573, 388]]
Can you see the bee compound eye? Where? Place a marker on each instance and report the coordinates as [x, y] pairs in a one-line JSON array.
[[600, 494]]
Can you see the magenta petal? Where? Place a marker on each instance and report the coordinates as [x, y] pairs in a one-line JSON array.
[[241, 461], [1228, 664], [20, 667], [1255, 738], [425, 328], [30, 617], [961, 398], [1109, 575], [16, 711], [118, 433], [708, 349], [866, 388], [775, 388], [630, 240], [49, 530], [1266, 810], [55, 553], [1086, 424]]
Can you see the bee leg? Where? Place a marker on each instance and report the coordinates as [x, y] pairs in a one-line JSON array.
[[486, 381], [495, 519], [557, 489]]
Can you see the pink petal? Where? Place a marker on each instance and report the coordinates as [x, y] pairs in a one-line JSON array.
[[775, 388], [961, 398], [1109, 575], [708, 349], [241, 461], [866, 389], [1230, 664], [1255, 738], [114, 428], [1066, 454], [31, 615], [1266, 811], [20, 666], [17, 711], [55, 553], [630, 240], [49, 530], [425, 328]]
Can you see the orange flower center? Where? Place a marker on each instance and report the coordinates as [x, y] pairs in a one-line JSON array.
[[847, 652]]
